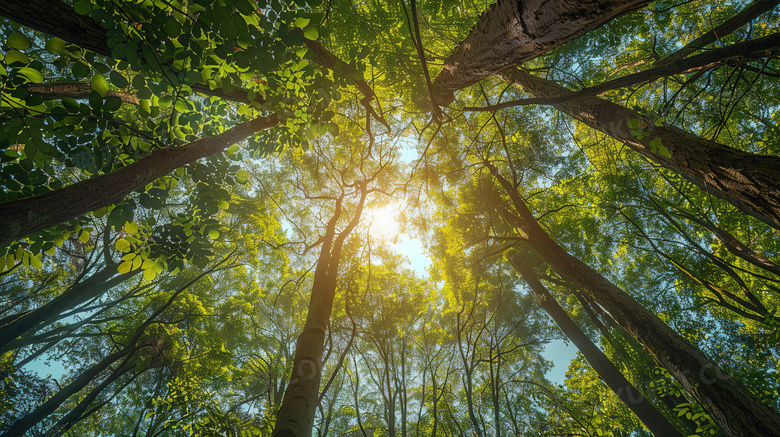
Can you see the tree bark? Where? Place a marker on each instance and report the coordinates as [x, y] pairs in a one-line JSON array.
[[296, 415], [74, 90], [748, 181], [21, 217], [732, 407], [511, 32], [633, 398]]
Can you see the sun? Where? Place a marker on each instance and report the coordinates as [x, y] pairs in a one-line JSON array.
[[384, 220]]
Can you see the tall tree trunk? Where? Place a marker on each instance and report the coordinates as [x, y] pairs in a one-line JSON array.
[[21, 217], [733, 408], [296, 415], [633, 398], [28, 421], [124, 354], [77, 414], [748, 181], [511, 32], [12, 327]]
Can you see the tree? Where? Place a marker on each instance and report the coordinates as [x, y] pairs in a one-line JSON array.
[[672, 351], [511, 32], [627, 393]]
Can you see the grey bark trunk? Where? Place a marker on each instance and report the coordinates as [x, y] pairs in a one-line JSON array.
[[511, 32], [21, 217]]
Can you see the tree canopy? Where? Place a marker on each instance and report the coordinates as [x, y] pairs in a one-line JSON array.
[[204, 204]]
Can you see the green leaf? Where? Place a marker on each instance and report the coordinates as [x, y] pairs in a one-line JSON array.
[[118, 79], [32, 74], [99, 84], [18, 40], [242, 176], [15, 56], [82, 7], [301, 22], [311, 33], [172, 27], [35, 262], [139, 81], [70, 104], [150, 274], [56, 46], [131, 228], [84, 237], [122, 245], [165, 102], [80, 69], [125, 267]]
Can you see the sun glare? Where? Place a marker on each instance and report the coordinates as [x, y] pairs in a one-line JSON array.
[[384, 220]]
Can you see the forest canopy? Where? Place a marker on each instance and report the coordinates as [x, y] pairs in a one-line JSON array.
[[209, 208]]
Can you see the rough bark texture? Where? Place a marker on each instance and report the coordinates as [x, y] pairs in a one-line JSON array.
[[56, 18], [633, 398], [748, 181], [733, 408], [74, 90], [296, 415], [21, 217], [511, 32]]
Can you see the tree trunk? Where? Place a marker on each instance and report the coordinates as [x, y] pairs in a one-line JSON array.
[[296, 415], [76, 414], [511, 32], [733, 408], [28, 421], [23, 424], [74, 90], [21, 217], [633, 398], [13, 327], [748, 181]]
